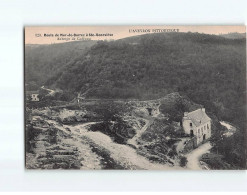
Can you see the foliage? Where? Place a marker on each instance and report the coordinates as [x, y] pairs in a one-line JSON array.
[[210, 70], [183, 161], [175, 105], [44, 61], [216, 161], [119, 131], [30, 136], [158, 141], [112, 124]]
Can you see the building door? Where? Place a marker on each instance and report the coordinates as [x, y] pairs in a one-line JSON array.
[[204, 137], [191, 133]]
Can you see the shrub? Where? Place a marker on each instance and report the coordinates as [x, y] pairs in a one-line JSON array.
[[183, 161]]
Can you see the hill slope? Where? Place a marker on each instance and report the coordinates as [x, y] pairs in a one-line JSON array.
[[43, 61], [234, 35], [207, 68], [210, 70]]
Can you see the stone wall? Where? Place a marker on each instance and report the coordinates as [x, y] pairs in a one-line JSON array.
[[190, 145]]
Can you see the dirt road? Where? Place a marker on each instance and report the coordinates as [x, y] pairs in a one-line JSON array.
[[124, 155], [194, 156]]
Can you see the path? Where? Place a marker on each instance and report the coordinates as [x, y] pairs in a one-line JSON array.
[[125, 155], [194, 156], [133, 141], [231, 129], [51, 92], [148, 122], [89, 159]]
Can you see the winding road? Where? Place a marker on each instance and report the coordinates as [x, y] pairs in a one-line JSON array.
[[124, 155], [194, 156], [51, 92]]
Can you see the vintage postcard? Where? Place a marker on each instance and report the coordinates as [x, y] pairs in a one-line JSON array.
[[135, 97]]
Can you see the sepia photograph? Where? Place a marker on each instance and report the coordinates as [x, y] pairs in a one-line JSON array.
[[135, 97]]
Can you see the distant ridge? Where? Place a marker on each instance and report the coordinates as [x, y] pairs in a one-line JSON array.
[[234, 35]]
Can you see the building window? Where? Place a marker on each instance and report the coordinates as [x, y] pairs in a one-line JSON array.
[[191, 124]]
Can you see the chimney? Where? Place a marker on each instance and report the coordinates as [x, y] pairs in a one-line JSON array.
[[185, 114], [203, 109]]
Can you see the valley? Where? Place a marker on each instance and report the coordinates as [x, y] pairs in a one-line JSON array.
[[100, 101], [67, 139]]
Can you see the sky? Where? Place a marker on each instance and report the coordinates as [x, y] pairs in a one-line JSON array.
[[60, 34]]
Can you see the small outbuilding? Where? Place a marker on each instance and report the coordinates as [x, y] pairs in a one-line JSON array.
[[33, 96]]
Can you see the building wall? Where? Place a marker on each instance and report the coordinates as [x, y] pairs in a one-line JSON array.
[[199, 132], [187, 126], [203, 130], [191, 144], [35, 97]]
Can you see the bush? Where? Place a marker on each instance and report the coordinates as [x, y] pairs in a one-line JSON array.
[[172, 153], [183, 161], [119, 131]]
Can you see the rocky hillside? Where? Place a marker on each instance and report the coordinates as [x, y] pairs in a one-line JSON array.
[[89, 135]]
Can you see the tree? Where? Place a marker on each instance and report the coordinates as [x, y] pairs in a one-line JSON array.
[[183, 161]]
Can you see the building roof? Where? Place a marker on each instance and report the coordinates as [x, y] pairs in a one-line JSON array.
[[198, 117], [32, 92]]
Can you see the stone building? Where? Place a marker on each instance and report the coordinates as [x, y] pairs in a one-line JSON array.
[[32, 96], [197, 124]]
